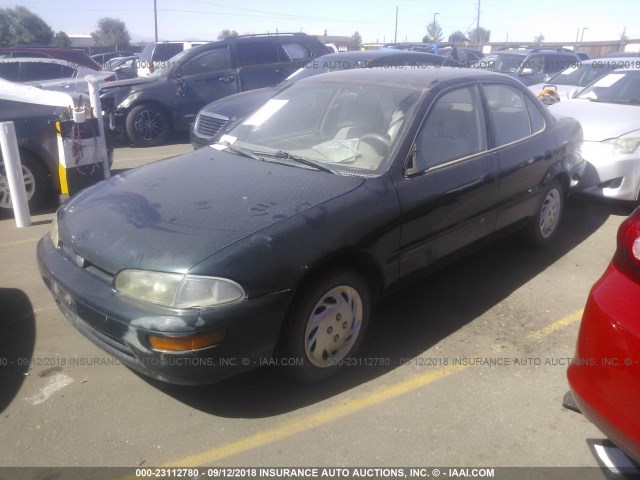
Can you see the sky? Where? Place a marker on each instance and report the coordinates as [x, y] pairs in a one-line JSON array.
[[374, 20]]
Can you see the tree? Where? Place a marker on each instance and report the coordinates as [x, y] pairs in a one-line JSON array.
[[111, 32], [480, 35], [61, 39], [357, 39], [21, 26], [224, 34], [434, 33], [458, 37]]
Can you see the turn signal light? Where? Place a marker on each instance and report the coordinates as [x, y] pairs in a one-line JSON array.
[[183, 344]]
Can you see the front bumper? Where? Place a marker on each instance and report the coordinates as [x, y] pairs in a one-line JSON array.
[[609, 175], [121, 325], [605, 372]]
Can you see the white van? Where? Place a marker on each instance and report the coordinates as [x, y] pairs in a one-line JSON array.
[[155, 53]]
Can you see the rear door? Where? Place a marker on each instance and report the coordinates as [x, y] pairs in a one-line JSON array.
[[449, 192], [524, 148]]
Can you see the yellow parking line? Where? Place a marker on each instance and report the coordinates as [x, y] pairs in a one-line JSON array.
[[323, 417], [566, 321], [341, 410], [19, 242]]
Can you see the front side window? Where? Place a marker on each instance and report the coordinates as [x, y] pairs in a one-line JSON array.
[[211, 61], [453, 129], [509, 114], [297, 51]]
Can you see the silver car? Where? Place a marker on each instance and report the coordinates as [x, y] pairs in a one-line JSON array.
[[573, 79], [609, 112]]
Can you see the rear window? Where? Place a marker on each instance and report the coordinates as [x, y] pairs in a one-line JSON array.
[[10, 71], [164, 51]]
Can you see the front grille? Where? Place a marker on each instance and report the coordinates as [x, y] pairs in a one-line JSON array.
[[209, 124]]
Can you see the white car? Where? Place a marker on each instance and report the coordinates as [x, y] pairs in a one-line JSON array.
[[50, 73], [573, 79], [609, 112]]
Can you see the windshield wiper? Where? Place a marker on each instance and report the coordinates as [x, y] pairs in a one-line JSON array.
[[295, 158], [240, 151]]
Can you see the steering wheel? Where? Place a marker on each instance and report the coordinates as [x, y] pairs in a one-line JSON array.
[[377, 140]]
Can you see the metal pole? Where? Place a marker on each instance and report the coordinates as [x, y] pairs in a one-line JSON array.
[[395, 37], [94, 99], [155, 17], [434, 39], [15, 178]]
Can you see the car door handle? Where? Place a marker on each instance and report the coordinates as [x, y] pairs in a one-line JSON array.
[[489, 178], [227, 79]]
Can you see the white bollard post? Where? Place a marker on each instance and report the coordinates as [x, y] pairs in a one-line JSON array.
[[13, 167], [94, 99]]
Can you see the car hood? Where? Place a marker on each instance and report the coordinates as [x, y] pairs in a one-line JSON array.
[[241, 104], [170, 215], [620, 119], [130, 82]]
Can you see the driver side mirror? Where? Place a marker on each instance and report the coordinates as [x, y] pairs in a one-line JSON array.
[[527, 71]]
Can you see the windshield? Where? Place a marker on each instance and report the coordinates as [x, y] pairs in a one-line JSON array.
[[616, 87], [580, 75], [341, 127], [500, 62]]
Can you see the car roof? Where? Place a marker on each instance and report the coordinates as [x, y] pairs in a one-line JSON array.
[[417, 77], [58, 61], [368, 55]]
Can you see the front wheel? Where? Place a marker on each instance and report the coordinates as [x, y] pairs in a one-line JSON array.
[[544, 225], [148, 126], [326, 325]]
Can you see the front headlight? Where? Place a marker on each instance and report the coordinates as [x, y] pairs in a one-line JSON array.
[[622, 145], [178, 291]]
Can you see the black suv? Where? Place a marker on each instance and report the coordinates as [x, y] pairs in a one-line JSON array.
[[149, 108], [528, 65]]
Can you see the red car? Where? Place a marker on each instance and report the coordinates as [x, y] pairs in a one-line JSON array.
[[605, 372]]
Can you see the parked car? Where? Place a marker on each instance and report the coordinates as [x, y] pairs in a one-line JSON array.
[[574, 78], [530, 66], [38, 69], [214, 119], [156, 54], [604, 375], [37, 141], [277, 240], [148, 109], [609, 112], [102, 58], [124, 67], [74, 56]]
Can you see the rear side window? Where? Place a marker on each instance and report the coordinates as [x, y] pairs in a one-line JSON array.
[[257, 53], [297, 51], [44, 71], [510, 114]]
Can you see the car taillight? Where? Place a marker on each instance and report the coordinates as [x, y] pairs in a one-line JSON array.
[[112, 78], [627, 256]]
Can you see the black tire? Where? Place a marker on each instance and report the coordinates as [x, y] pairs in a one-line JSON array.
[[340, 300], [148, 126], [543, 227], [37, 183]]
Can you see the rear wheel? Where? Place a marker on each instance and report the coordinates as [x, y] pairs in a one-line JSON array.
[[326, 324], [148, 126], [36, 182], [544, 225]]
